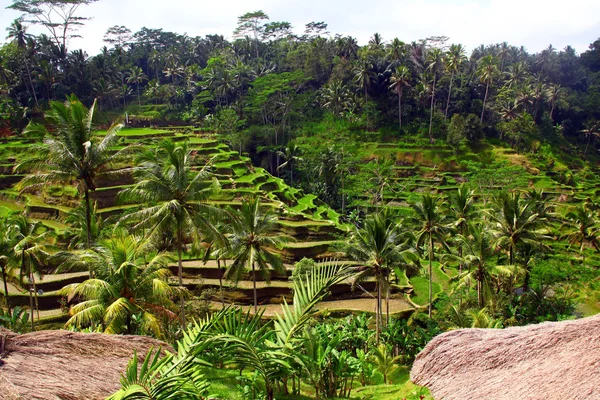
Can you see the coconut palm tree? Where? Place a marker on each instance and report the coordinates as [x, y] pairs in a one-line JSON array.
[[428, 214], [555, 94], [398, 81], [376, 246], [18, 33], [517, 223], [29, 245], [454, 60], [592, 129], [291, 155], [253, 239], [435, 65], [478, 246], [487, 70], [364, 76], [516, 74], [137, 76], [584, 228], [463, 211], [72, 153], [173, 197], [127, 288]]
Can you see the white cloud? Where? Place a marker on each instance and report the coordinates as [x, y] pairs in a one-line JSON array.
[[530, 23]]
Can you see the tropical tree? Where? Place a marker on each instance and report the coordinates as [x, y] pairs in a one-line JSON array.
[[428, 214], [127, 288], [72, 153], [584, 228], [18, 33], [555, 94], [398, 81], [137, 76], [517, 223], [487, 70], [592, 129], [30, 247], [453, 60], [463, 211], [364, 76], [253, 240], [291, 155], [377, 247], [174, 197], [478, 246], [435, 64]]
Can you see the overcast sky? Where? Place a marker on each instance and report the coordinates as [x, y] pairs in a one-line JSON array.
[[531, 23]]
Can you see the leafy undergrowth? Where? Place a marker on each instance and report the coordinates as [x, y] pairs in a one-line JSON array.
[[231, 385]]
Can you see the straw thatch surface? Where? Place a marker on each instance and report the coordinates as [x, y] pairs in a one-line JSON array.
[[553, 360], [66, 365]]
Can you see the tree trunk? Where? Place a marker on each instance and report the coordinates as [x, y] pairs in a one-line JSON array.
[[31, 83], [430, 275], [35, 295], [378, 313], [484, 101], [449, 93], [6, 295], [254, 286], [88, 220], [400, 109], [552, 112], [180, 276], [431, 110], [220, 281]]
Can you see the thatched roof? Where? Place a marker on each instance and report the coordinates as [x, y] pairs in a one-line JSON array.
[[66, 365], [553, 360]]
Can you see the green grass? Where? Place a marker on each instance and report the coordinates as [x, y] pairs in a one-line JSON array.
[[420, 285], [136, 132]]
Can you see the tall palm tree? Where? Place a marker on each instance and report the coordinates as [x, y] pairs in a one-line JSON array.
[[253, 239], [584, 228], [487, 70], [517, 223], [516, 74], [398, 81], [173, 197], [454, 60], [592, 129], [291, 155], [478, 247], [555, 94], [376, 246], [127, 288], [364, 76], [71, 152], [29, 245], [435, 65], [429, 215], [137, 76], [18, 33], [463, 211]]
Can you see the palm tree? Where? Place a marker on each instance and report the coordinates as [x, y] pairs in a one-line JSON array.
[[429, 215], [376, 247], [253, 240], [335, 97], [127, 289], [463, 211], [487, 71], [137, 76], [592, 129], [7, 243], [173, 197], [398, 81], [18, 33], [435, 64], [364, 76], [29, 245], [584, 228], [517, 223], [555, 94], [454, 59], [291, 155], [71, 152], [478, 247], [516, 74]]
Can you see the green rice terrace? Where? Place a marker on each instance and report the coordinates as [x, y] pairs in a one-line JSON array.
[[288, 214]]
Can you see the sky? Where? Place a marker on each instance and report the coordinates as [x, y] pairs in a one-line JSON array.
[[533, 24]]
